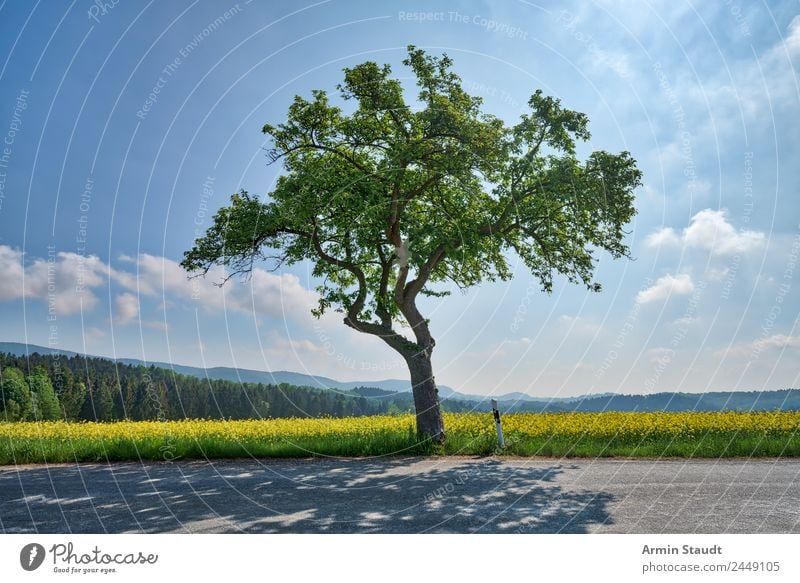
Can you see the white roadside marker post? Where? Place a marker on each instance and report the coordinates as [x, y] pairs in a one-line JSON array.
[[500, 440]]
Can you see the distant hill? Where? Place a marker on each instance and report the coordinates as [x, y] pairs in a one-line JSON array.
[[235, 374], [281, 376], [787, 399], [267, 377], [21, 349]]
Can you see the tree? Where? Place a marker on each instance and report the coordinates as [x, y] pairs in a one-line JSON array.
[[70, 392], [99, 404], [389, 200], [15, 395], [43, 396]]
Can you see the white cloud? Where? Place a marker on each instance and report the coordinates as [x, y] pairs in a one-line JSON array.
[[263, 292], [665, 287], [755, 348], [709, 229], [777, 341], [792, 41], [63, 280], [664, 236], [131, 282], [756, 88], [717, 274], [66, 280], [277, 295], [127, 308], [11, 267], [759, 348]]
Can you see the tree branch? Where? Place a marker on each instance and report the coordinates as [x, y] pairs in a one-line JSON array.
[[415, 285]]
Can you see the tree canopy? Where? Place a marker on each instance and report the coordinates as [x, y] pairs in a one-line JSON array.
[[388, 198]]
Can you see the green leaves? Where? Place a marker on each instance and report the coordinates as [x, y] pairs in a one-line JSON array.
[[549, 123], [386, 201]]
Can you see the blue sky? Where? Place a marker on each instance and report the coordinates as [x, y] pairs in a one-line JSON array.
[[125, 125]]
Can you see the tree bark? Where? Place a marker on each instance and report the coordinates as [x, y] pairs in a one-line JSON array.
[[426, 397]]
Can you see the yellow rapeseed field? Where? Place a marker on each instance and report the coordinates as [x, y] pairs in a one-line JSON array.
[[260, 429], [466, 424], [611, 433]]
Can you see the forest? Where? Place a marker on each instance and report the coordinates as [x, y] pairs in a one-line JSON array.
[[80, 388]]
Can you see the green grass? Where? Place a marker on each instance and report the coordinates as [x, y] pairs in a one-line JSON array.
[[27, 451], [711, 445]]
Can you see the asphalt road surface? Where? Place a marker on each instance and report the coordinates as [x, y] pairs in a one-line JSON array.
[[408, 495]]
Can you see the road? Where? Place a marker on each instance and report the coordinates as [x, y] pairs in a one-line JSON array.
[[405, 495]]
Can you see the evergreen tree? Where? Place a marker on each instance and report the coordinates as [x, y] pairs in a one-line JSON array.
[[15, 395], [70, 392], [45, 404]]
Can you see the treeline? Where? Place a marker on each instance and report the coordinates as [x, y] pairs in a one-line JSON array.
[[75, 388], [784, 399], [42, 387]]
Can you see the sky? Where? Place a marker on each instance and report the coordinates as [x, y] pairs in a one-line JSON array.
[[125, 125]]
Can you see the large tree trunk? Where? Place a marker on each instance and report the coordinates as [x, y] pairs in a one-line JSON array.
[[426, 397]]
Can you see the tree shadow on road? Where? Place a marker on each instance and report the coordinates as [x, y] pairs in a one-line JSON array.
[[404, 495]]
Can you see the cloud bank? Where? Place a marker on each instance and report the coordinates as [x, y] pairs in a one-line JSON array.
[[710, 230]]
